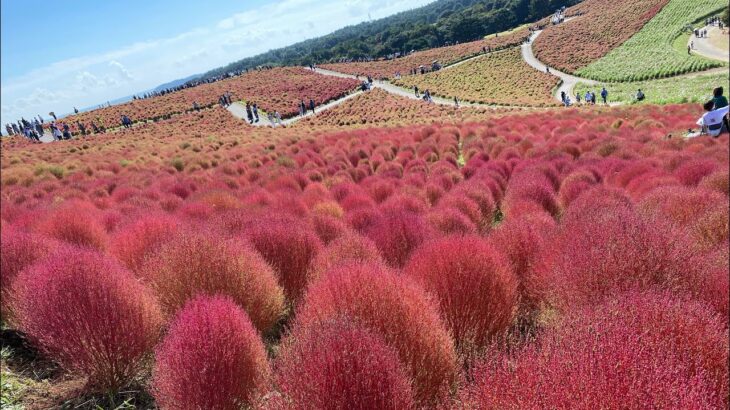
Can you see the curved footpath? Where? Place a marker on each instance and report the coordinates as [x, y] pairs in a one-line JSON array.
[[567, 81], [238, 110], [712, 46]]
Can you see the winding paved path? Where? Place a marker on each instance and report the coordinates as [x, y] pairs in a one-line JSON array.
[[238, 110], [707, 48], [567, 81]]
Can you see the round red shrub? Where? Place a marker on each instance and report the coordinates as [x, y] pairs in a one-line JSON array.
[[289, 248], [76, 224], [397, 234], [350, 247], [641, 350], [19, 250], [89, 314], [449, 220], [473, 283], [397, 309], [521, 241], [340, 365], [199, 263], [607, 251], [132, 243], [211, 358]]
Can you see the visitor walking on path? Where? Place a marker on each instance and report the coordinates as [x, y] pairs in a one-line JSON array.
[[271, 119], [604, 95], [456, 102], [278, 117], [311, 105], [249, 114], [55, 132], [577, 97], [255, 109], [66, 132], [302, 108], [415, 89]]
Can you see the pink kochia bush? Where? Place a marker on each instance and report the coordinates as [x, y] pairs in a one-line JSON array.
[[521, 241], [89, 314], [340, 365], [608, 249], [397, 234], [196, 263], [474, 285], [351, 247], [289, 248], [397, 309], [18, 250], [639, 350], [136, 241], [76, 224], [211, 358]]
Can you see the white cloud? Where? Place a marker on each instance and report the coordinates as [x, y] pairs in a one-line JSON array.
[[88, 80]]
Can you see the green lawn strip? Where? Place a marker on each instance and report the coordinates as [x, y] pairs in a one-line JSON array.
[[653, 52], [664, 91]]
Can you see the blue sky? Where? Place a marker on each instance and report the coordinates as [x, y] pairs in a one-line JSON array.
[[59, 54]]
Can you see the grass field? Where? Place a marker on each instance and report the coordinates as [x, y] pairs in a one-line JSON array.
[[664, 91], [651, 53]]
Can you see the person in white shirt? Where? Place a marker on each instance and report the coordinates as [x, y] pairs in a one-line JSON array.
[[711, 122]]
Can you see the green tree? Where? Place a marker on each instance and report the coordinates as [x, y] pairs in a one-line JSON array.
[[726, 16]]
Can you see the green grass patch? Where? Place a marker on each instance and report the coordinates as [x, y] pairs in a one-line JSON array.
[[696, 89]]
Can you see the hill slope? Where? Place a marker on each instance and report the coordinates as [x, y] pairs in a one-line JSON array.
[[441, 22]]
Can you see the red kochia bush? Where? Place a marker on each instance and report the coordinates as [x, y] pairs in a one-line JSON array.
[[18, 250], [350, 247], [474, 284], [76, 224], [521, 241], [134, 242], [211, 358], [194, 263], [289, 249], [340, 365], [89, 314], [641, 350], [605, 251], [397, 234], [394, 307]]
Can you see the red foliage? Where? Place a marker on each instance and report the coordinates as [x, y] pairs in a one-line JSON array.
[[397, 234], [191, 264], [76, 224], [637, 351], [474, 284], [289, 248], [521, 241], [134, 242], [396, 309], [338, 365], [608, 250], [449, 220], [89, 314], [211, 358], [19, 250], [348, 248]]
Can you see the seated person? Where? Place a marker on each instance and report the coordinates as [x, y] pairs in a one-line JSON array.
[[640, 95], [711, 122]]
